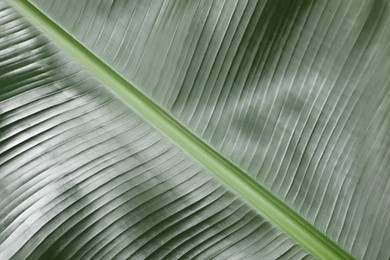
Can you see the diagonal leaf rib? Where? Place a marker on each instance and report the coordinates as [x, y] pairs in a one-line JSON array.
[[256, 195]]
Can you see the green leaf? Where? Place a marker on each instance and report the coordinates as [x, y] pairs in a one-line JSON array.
[[287, 102], [83, 177]]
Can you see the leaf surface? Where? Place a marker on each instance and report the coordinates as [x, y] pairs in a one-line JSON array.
[[83, 177], [296, 94]]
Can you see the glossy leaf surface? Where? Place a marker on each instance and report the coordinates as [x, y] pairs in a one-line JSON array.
[[83, 177], [295, 93]]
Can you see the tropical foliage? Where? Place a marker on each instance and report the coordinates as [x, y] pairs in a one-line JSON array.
[[227, 129]]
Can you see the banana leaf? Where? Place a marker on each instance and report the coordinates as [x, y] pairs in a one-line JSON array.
[[194, 129]]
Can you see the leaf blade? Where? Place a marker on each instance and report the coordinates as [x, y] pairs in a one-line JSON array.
[[231, 175], [82, 176], [292, 92]]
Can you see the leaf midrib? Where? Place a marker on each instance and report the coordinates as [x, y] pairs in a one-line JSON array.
[[249, 190]]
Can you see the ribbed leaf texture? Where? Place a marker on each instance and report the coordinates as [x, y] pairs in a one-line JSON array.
[[83, 177], [295, 93]]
